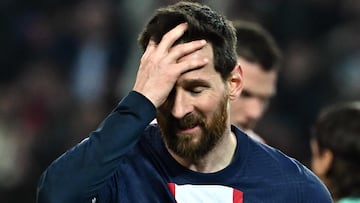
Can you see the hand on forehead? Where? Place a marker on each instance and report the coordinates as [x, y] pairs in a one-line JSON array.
[[204, 52], [160, 64]]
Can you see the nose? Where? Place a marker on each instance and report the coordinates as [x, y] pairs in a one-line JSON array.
[[182, 105]]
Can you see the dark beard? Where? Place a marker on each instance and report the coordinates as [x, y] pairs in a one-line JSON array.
[[182, 144]]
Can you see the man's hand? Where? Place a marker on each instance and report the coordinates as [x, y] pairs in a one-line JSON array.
[[160, 67]]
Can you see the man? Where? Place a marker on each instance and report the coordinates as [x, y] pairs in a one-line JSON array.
[[335, 146], [187, 75], [259, 57]]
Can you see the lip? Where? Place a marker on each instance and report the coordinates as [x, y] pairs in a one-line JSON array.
[[189, 130]]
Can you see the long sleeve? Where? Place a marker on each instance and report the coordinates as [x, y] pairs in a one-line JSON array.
[[81, 171]]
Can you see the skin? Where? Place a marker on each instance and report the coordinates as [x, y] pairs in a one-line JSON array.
[[159, 66], [320, 160], [259, 88], [189, 86]]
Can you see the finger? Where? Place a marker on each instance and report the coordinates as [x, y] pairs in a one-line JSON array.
[[170, 37], [191, 64], [149, 49], [184, 49]]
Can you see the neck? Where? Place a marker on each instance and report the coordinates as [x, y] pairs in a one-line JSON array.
[[216, 160]]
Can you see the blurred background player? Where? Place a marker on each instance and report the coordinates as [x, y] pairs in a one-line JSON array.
[[335, 146], [260, 59]]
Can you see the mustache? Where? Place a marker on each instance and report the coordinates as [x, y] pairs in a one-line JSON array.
[[188, 121]]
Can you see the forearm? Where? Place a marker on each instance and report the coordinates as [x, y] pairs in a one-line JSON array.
[[82, 170]]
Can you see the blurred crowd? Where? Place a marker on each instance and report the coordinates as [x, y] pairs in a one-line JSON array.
[[64, 64]]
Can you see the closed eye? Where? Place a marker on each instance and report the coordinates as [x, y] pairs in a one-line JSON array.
[[196, 90], [249, 95], [196, 86]]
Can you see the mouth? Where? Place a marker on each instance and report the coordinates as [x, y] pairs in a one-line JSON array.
[[189, 129]]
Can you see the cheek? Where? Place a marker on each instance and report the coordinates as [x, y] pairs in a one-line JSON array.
[[315, 164], [236, 109], [315, 158], [237, 104], [209, 102], [207, 109]]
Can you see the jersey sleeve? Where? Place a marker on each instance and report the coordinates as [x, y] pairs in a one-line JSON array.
[[317, 193], [314, 190], [81, 171]]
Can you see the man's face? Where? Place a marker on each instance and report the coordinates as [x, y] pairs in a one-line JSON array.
[[259, 88], [320, 160], [195, 116], [315, 156]]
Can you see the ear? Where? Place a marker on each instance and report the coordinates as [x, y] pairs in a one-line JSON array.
[[325, 159], [235, 82]]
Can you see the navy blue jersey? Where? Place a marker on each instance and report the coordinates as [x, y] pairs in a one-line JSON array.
[[125, 161]]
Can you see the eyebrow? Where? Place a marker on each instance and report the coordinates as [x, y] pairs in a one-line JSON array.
[[192, 69], [196, 82]]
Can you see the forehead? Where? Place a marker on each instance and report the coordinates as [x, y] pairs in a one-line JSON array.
[[206, 72], [257, 80]]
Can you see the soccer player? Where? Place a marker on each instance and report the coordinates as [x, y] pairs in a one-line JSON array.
[[186, 78]]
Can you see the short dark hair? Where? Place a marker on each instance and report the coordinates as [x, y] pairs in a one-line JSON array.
[[203, 23], [337, 129], [255, 44]]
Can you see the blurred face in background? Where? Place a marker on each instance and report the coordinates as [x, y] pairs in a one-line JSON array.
[[259, 88], [320, 160]]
